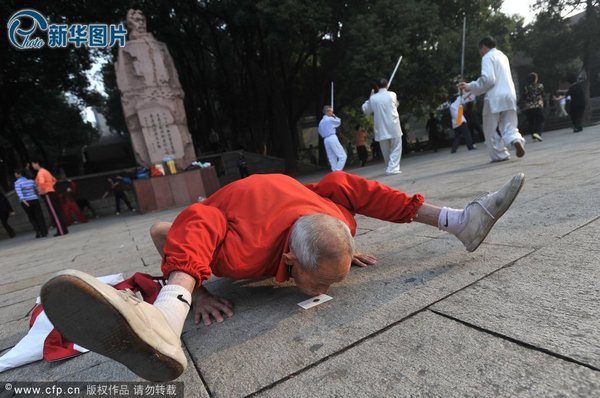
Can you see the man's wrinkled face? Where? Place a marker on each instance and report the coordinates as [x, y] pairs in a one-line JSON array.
[[318, 281]]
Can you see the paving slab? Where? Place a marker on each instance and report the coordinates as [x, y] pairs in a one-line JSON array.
[[431, 356], [12, 332], [548, 299], [271, 342], [585, 237], [269, 322], [91, 367]]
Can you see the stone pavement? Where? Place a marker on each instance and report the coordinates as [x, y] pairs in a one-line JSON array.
[[517, 318]]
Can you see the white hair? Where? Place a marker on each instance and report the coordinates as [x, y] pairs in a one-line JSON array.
[[319, 237]]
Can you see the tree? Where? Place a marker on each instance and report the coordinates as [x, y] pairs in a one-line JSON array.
[[550, 31], [581, 34], [36, 117], [429, 36], [251, 69]]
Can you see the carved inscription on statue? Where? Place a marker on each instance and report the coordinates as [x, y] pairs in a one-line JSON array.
[[162, 135]]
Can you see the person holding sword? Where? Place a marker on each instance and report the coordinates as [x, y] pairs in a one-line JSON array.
[[500, 105], [335, 151], [383, 105]]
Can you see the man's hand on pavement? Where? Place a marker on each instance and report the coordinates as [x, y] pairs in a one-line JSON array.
[[206, 305], [363, 260]]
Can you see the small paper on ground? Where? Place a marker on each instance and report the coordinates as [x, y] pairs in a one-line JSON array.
[[311, 302]]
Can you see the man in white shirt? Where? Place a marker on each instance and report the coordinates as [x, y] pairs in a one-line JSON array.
[[383, 105], [500, 105], [335, 152]]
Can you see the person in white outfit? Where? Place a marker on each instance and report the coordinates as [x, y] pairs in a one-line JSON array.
[[383, 105], [500, 104], [335, 151]]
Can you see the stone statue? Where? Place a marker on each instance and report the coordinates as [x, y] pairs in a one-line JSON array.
[[152, 98]]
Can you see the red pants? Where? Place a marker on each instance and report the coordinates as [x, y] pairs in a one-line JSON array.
[[70, 208]]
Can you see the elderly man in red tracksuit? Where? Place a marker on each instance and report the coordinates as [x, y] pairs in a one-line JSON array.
[[263, 225]]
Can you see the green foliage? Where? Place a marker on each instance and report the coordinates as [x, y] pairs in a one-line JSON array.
[[36, 119], [353, 118], [563, 47], [251, 69]]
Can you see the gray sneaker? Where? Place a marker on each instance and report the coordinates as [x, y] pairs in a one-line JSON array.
[[113, 323], [483, 212]]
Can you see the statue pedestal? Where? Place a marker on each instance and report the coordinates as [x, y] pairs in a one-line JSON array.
[[181, 189]]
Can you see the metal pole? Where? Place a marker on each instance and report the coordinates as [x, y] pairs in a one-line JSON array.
[[394, 72], [462, 58], [331, 95]]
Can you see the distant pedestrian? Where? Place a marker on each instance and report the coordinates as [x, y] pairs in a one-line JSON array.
[[532, 104], [361, 146], [561, 104], [70, 207], [335, 151], [500, 104], [460, 127], [576, 98], [117, 187], [45, 184], [434, 130], [82, 202], [27, 192], [384, 107], [243, 166], [5, 211]]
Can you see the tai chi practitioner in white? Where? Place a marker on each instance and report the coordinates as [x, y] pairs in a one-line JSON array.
[[500, 105], [383, 105], [335, 152]]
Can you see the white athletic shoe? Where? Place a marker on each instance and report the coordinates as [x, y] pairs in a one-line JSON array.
[[113, 323], [483, 212]]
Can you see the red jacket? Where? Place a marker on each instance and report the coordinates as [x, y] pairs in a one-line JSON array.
[[242, 230]]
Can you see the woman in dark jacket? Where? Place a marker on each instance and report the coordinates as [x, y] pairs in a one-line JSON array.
[[532, 104], [576, 98]]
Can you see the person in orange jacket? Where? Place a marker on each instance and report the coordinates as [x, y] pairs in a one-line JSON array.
[[45, 184]]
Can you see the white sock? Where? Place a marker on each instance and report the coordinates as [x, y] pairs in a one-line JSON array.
[[173, 308], [452, 220]]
